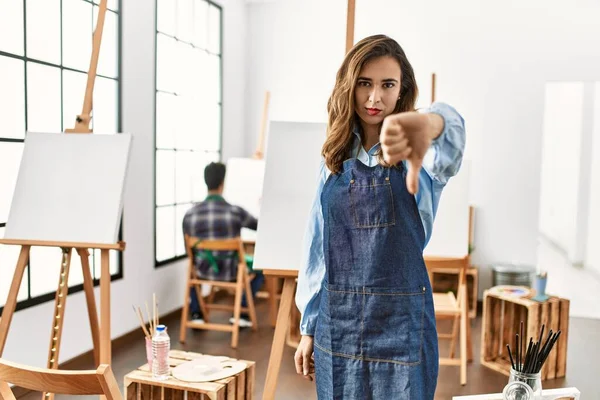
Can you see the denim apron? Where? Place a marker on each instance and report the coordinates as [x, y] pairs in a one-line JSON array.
[[375, 335]]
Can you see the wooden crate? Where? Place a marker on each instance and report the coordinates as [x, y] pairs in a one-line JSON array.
[[139, 384], [501, 321], [446, 280]]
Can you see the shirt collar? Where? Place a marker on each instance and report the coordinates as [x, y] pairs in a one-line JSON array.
[[357, 131], [214, 197]]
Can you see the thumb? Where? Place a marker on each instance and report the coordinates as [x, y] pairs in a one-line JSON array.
[[412, 177]]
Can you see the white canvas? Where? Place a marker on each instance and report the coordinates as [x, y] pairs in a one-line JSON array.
[[290, 184], [244, 183], [450, 237], [291, 174], [69, 188]]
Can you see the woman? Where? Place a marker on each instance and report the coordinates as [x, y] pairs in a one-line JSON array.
[[364, 294]]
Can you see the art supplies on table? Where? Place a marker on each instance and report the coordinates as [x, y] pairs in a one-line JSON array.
[[539, 285], [149, 331], [526, 365], [208, 368], [512, 291]]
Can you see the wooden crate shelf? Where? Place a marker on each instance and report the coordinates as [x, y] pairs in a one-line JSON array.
[[502, 316], [139, 384]]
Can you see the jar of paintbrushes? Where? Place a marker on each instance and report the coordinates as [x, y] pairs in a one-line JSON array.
[[150, 330], [525, 379]]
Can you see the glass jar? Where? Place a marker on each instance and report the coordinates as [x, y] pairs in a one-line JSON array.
[[523, 386]]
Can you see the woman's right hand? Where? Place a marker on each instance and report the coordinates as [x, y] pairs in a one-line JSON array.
[[304, 358]]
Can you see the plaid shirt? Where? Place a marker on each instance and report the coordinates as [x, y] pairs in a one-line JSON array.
[[215, 218]]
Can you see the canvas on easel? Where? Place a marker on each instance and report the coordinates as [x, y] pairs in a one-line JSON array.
[[68, 195], [291, 174], [289, 266], [88, 212], [244, 183]]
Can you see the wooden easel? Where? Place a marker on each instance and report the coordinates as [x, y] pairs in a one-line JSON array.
[[100, 332], [260, 146], [271, 281], [433, 88]]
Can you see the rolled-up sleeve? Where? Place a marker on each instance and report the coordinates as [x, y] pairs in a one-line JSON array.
[[444, 157], [442, 161], [312, 271]]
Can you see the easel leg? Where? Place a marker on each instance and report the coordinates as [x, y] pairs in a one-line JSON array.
[[88, 287], [60, 302], [283, 318], [250, 301], [272, 283], [11, 301], [469, 342], [237, 305], [105, 348], [464, 321]]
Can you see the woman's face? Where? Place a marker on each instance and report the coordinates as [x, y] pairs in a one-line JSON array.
[[377, 90]]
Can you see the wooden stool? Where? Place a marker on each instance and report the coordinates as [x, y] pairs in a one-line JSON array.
[[454, 307], [502, 316], [445, 280]]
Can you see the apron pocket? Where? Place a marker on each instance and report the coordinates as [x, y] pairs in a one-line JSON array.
[[372, 205], [339, 323], [393, 324]]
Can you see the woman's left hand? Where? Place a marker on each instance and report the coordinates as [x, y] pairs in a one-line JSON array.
[[407, 136]]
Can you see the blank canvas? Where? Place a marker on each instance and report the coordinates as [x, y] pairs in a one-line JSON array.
[[450, 236], [291, 175], [244, 183], [70, 188], [290, 185]]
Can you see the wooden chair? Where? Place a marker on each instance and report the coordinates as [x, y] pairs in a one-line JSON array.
[[449, 306], [240, 285], [98, 382]]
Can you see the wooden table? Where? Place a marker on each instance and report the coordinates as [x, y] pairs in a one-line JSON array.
[[502, 316], [550, 394], [139, 384]]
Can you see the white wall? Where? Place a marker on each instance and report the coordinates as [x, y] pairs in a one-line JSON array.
[[234, 80], [561, 181], [593, 234], [294, 50], [29, 334], [492, 60]]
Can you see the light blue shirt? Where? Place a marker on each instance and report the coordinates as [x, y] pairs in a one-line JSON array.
[[441, 162]]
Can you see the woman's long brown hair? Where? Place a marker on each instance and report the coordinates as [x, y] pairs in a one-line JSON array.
[[342, 117]]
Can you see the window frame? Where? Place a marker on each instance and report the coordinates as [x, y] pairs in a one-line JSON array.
[[40, 299], [162, 263]]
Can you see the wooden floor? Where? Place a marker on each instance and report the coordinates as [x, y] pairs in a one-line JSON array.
[[583, 368]]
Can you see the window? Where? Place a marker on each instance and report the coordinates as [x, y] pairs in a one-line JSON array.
[[188, 113], [45, 49]]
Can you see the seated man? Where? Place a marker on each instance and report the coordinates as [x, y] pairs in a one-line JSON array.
[[211, 219]]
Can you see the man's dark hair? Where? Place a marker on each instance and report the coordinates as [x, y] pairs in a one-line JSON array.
[[214, 175]]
